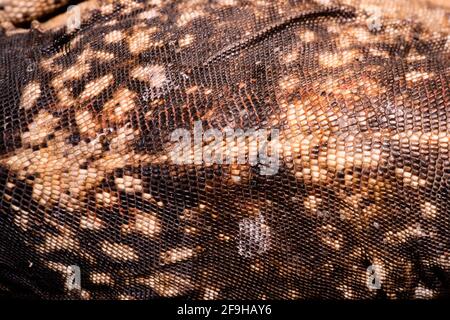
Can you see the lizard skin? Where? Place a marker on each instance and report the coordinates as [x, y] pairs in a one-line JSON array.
[[357, 89]]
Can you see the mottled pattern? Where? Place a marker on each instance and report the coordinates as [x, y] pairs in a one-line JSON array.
[[359, 91]]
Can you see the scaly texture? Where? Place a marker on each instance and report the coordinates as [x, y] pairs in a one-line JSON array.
[[357, 89]]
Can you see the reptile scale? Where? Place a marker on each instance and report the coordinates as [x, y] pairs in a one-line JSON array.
[[358, 91]]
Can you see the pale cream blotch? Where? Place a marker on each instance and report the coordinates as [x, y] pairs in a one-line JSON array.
[[421, 292], [403, 236], [155, 75], [331, 237], [351, 206], [362, 35], [122, 102], [409, 178], [414, 56], [188, 16], [291, 56], [428, 210], [106, 199], [378, 52], [101, 278], [115, 36], [119, 251], [64, 241], [103, 56], [211, 294], [289, 83], [312, 203], [107, 9], [447, 43], [145, 223], [339, 59], [141, 40], [80, 69], [307, 36], [129, 184], [131, 6], [59, 178], [298, 144], [30, 94], [119, 143], [444, 260], [86, 123], [178, 254], [351, 88], [91, 221], [57, 166], [57, 266], [43, 124], [21, 218], [97, 86], [416, 76], [167, 284], [227, 3], [149, 14], [187, 40]]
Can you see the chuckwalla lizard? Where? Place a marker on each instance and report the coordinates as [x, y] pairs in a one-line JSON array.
[[358, 92]]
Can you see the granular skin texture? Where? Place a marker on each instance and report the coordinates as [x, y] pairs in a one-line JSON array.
[[357, 89]]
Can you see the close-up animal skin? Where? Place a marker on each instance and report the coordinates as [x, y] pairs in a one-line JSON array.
[[92, 92]]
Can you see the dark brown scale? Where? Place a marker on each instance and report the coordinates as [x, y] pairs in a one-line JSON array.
[[296, 19]]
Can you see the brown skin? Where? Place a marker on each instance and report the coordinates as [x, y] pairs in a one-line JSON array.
[[364, 141]]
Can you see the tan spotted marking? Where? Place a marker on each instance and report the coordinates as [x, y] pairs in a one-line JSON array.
[[312, 203], [291, 56], [122, 102], [155, 75], [402, 236], [30, 94], [119, 251], [91, 221], [187, 40], [65, 241], [101, 278], [129, 184], [289, 83], [145, 223], [178, 254], [95, 87], [86, 124], [149, 14], [331, 238], [339, 59], [167, 284], [428, 210], [141, 40], [115, 36], [189, 16], [211, 294], [416, 76], [21, 218], [106, 198], [43, 125], [307, 36]]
